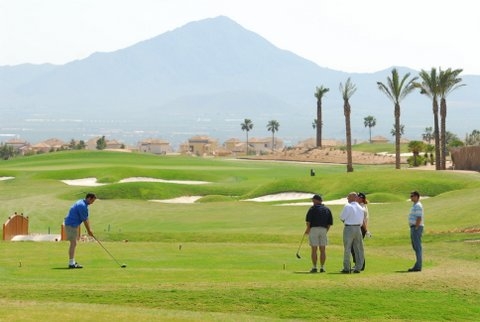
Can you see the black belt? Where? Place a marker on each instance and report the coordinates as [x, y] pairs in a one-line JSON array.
[[412, 226], [353, 225]]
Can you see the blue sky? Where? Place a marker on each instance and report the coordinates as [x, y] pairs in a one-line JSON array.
[[347, 35]]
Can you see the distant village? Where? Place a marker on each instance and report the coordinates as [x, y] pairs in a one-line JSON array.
[[196, 145]]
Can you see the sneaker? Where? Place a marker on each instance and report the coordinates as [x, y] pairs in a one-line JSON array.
[[344, 271], [322, 270], [76, 265], [313, 270], [414, 270], [356, 271]]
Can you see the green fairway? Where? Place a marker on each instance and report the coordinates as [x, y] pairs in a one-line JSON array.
[[227, 259]]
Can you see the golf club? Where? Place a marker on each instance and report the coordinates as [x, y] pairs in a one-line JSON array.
[[299, 246], [121, 265]]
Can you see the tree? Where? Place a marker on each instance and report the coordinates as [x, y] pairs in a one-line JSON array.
[[247, 125], [273, 126], [101, 143], [415, 147], [396, 90], [81, 145], [319, 93], [393, 131], [473, 138], [429, 87], [428, 135], [448, 82], [6, 151], [72, 144], [347, 91], [370, 122]]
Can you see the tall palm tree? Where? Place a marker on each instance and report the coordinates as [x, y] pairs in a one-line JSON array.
[[448, 82], [247, 125], [429, 87], [369, 122], [396, 89], [273, 126], [347, 91], [319, 92]]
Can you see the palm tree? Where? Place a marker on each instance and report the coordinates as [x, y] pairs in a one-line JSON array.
[[429, 86], [393, 131], [396, 90], [347, 91], [416, 147], [370, 122], [428, 135], [448, 82], [247, 125], [319, 92], [273, 126]]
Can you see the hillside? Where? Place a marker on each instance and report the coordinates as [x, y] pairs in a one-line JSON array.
[[204, 78]]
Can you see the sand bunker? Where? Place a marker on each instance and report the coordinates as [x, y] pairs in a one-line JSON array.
[[6, 178], [286, 196], [37, 237], [142, 179], [86, 182], [92, 182], [186, 199]]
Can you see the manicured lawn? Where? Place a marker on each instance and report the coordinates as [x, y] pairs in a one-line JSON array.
[[226, 259]]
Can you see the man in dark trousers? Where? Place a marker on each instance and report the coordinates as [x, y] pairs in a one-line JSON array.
[[318, 220]]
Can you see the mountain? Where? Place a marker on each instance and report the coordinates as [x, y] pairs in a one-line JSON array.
[[205, 78]]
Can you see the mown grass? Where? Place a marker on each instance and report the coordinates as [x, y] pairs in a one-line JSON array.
[[226, 259]]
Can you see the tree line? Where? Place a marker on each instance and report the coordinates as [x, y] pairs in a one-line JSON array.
[[436, 84]]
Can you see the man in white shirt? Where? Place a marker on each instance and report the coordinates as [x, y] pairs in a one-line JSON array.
[[352, 216], [415, 221]]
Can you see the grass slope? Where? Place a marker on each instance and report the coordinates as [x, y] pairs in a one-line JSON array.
[[225, 259]]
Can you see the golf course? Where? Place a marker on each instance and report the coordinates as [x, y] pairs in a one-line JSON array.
[[225, 258]]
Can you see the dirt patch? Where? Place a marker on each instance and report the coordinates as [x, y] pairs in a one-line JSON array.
[[329, 155]]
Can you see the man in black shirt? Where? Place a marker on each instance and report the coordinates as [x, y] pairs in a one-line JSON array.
[[318, 219]]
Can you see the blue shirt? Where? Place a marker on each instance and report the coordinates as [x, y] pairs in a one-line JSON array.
[[78, 213]]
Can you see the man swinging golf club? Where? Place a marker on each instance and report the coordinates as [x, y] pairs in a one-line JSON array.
[[318, 220], [77, 215]]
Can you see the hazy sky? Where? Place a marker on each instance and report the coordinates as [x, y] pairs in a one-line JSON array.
[[346, 35]]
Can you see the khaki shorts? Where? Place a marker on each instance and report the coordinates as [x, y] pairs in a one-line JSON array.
[[71, 233], [318, 236]]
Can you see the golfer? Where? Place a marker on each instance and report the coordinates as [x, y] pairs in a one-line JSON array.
[[318, 220], [77, 215], [352, 216]]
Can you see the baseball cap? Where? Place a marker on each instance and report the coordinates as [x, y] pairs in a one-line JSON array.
[[362, 195]]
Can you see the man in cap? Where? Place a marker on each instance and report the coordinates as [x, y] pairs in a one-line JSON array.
[[318, 220]]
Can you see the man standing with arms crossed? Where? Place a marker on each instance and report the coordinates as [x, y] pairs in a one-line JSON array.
[[352, 216], [77, 215], [415, 221], [318, 220]]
